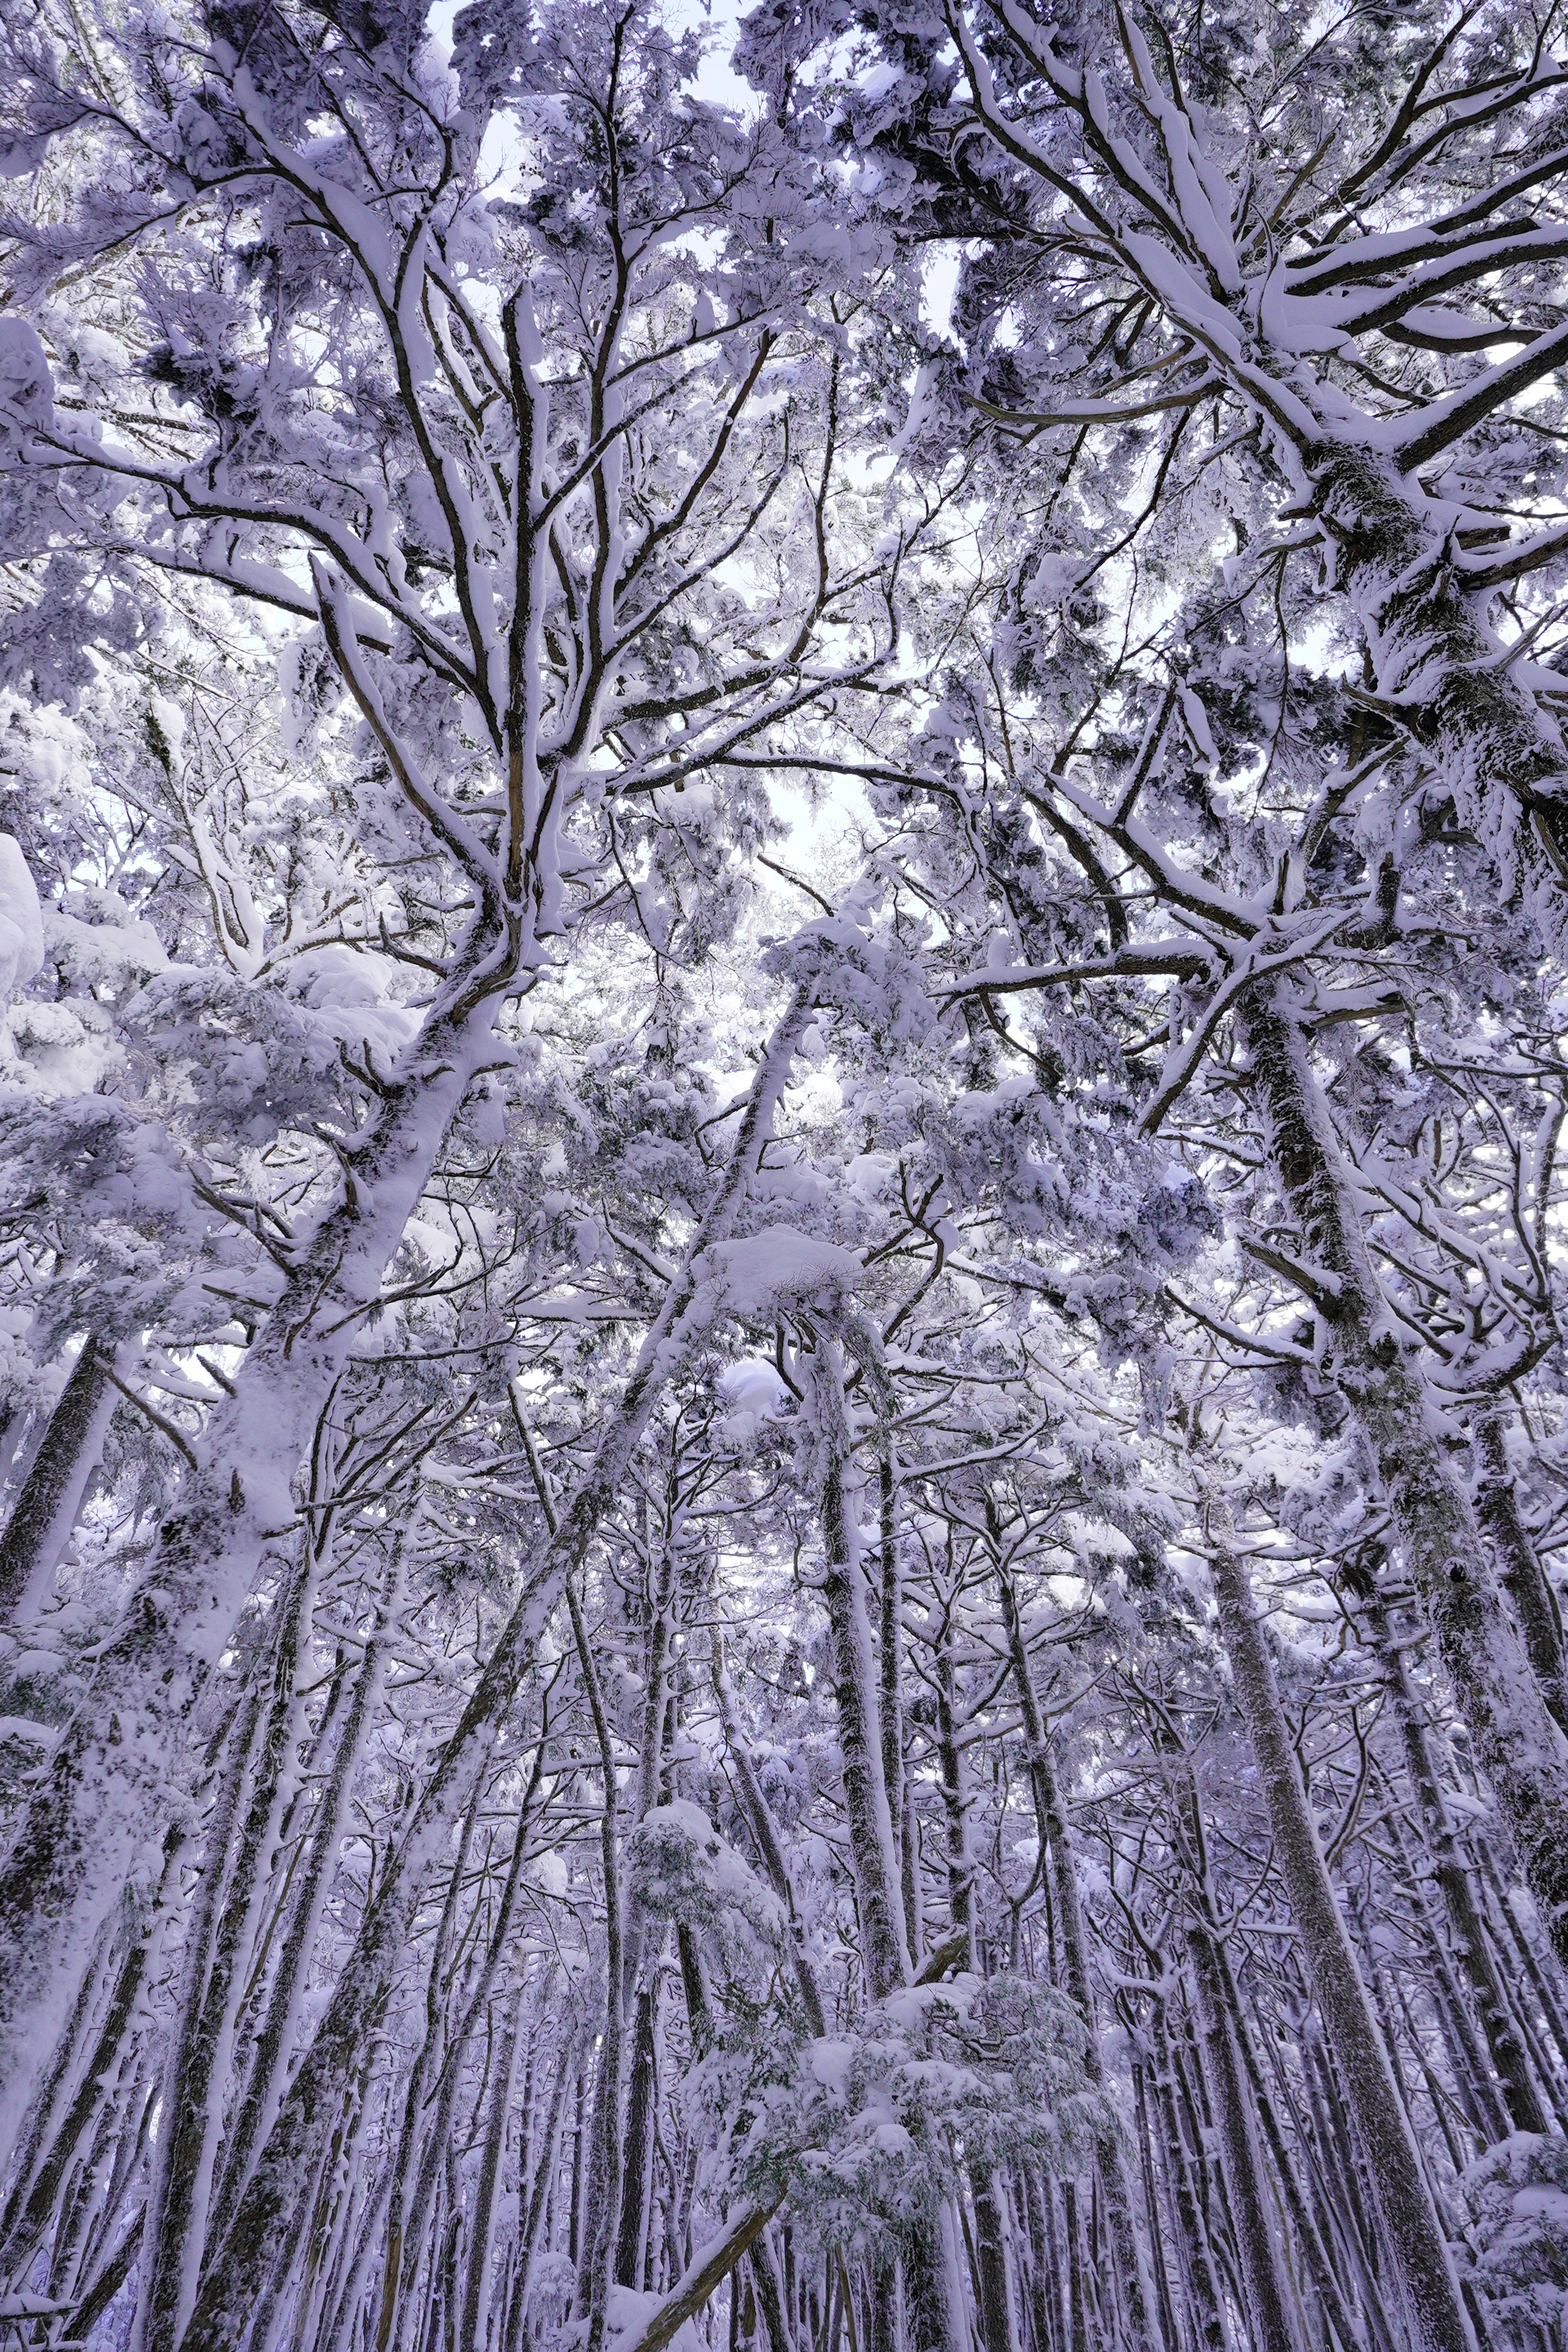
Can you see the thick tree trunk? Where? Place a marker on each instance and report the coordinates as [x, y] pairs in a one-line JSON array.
[[45, 1511], [1517, 1743], [1404, 2201], [1436, 664]]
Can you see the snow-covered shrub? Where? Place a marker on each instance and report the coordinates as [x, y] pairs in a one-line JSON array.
[[1519, 2197]]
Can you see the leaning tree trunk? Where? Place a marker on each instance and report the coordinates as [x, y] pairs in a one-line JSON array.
[[116, 1777], [1410, 2224], [45, 1511], [1516, 1741]]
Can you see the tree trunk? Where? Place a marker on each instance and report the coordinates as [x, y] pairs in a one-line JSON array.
[[1472, 1949], [885, 1956], [477, 2285], [44, 1514], [890, 1695], [1264, 2290], [1404, 2201], [1517, 1743], [117, 1776], [1524, 1578], [1055, 1839]]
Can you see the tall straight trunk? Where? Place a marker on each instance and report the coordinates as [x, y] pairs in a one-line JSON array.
[[475, 2328], [884, 1955], [1309, 2237], [45, 1511], [1411, 2226], [1143, 2108], [771, 2302], [1517, 1743], [1202, 2287], [314, 2096], [606, 2157], [531, 2226], [993, 2294], [1056, 1840], [639, 1986], [430, 2131], [175, 2188], [640, 2098], [419, 2149], [118, 1775], [891, 1688], [1266, 2291]]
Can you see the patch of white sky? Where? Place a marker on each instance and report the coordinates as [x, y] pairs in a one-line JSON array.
[[824, 825]]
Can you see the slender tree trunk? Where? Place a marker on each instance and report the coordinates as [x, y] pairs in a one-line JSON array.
[[532, 2224], [1265, 2290], [475, 2328], [885, 1956], [990, 2249], [891, 1690], [1209, 2322], [1404, 2201], [1056, 1838], [770, 1850], [419, 2149], [606, 2157], [273, 2044], [639, 2138], [179, 2196]]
